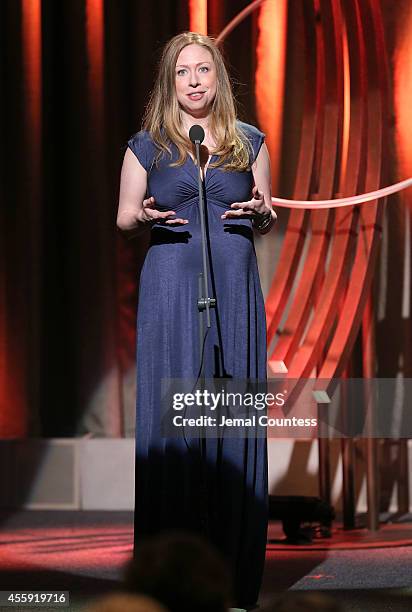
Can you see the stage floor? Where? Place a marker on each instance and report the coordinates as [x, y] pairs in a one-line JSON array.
[[85, 553]]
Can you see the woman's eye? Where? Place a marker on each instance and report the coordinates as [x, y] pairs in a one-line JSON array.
[[183, 71]]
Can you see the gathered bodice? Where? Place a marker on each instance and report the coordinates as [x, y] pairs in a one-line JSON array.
[[176, 188]]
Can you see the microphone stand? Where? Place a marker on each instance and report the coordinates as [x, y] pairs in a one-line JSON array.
[[204, 303]]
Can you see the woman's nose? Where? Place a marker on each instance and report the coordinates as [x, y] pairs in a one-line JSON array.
[[193, 79]]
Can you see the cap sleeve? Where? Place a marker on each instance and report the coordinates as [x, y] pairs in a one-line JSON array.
[[255, 137], [139, 144], [257, 142]]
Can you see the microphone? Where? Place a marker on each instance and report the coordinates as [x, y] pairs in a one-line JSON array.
[[196, 134], [204, 303]]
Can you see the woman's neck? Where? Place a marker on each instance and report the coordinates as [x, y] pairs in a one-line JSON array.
[[189, 120]]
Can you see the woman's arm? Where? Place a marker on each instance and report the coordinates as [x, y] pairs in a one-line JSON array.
[[262, 177], [135, 214], [133, 185]]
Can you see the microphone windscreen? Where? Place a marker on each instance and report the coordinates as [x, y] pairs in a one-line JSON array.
[[197, 134]]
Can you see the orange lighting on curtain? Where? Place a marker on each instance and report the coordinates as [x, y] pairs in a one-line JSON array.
[[31, 26], [403, 93], [95, 53], [3, 347], [269, 77], [346, 106], [95, 33], [17, 332], [32, 75], [198, 16]]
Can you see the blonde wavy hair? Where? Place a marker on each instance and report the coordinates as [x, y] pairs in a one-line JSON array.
[[162, 117]]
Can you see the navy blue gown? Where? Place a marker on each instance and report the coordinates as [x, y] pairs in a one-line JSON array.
[[167, 491]]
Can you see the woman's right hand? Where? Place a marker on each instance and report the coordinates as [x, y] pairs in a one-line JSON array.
[[149, 214]]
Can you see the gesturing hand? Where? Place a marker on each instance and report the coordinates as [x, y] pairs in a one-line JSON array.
[[150, 214], [254, 208]]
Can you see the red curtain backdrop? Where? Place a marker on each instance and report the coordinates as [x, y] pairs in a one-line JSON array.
[[75, 78]]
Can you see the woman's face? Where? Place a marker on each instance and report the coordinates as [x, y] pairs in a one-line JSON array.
[[195, 80]]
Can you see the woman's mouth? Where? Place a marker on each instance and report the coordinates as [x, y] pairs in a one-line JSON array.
[[196, 96]]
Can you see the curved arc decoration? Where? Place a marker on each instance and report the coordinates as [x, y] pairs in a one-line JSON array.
[[329, 92], [248, 10], [314, 205], [343, 244], [342, 285], [298, 223], [371, 215]]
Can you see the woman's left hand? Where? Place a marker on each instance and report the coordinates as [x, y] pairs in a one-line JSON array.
[[253, 208]]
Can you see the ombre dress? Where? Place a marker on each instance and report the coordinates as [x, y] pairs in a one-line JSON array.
[[231, 510]]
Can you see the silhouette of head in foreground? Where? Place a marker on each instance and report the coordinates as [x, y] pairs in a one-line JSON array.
[[304, 602], [181, 571], [125, 602]]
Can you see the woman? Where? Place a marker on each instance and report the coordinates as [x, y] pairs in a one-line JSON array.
[[227, 503]]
